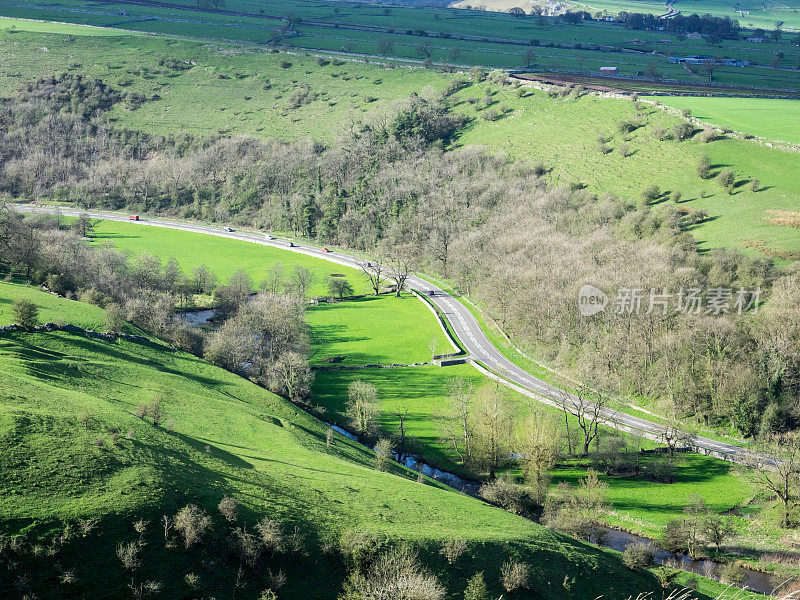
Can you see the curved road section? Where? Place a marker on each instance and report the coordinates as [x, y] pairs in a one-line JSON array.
[[483, 355]]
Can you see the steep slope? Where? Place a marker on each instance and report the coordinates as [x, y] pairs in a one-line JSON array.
[[61, 394]]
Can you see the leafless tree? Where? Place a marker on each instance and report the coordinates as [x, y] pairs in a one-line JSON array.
[[588, 408], [192, 522], [374, 271], [401, 262], [401, 410], [457, 420]]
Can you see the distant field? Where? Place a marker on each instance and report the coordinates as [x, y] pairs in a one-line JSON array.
[[439, 35], [222, 255], [749, 13], [562, 133], [771, 119]]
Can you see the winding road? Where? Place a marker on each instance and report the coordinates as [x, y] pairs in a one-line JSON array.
[[482, 354]]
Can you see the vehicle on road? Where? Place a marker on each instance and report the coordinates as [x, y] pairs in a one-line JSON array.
[[325, 250], [228, 229], [291, 244], [133, 218], [431, 293], [269, 237]]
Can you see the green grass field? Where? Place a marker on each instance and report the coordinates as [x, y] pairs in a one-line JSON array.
[[411, 35], [222, 255], [771, 119], [644, 506], [749, 13], [381, 329], [225, 436]]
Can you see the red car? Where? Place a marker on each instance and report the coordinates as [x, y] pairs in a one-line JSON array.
[[325, 250]]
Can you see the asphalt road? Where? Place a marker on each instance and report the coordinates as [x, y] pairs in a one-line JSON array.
[[482, 353]]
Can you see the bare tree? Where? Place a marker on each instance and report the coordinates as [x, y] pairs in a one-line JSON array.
[[537, 447], [588, 409], [492, 427], [83, 225], [204, 280], [402, 262], [456, 422], [291, 375], [302, 279], [374, 271], [401, 410], [383, 454], [192, 522]]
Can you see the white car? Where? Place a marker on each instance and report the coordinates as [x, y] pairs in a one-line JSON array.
[[269, 237], [228, 229]]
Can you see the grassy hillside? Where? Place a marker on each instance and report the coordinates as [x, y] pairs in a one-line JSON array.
[[558, 133], [224, 436], [53, 309]]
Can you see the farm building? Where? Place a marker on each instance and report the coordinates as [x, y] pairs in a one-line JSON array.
[[609, 70]]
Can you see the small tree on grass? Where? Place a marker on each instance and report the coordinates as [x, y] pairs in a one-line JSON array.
[[25, 313], [156, 411], [453, 549], [682, 131], [638, 556], [360, 406], [271, 534], [476, 588], [383, 454], [704, 167], [128, 554], [717, 529], [393, 574], [650, 194], [755, 185], [229, 508], [514, 575], [339, 287], [727, 179], [192, 522], [115, 318]]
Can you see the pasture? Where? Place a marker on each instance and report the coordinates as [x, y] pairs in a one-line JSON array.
[[432, 35], [223, 256], [773, 119]]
